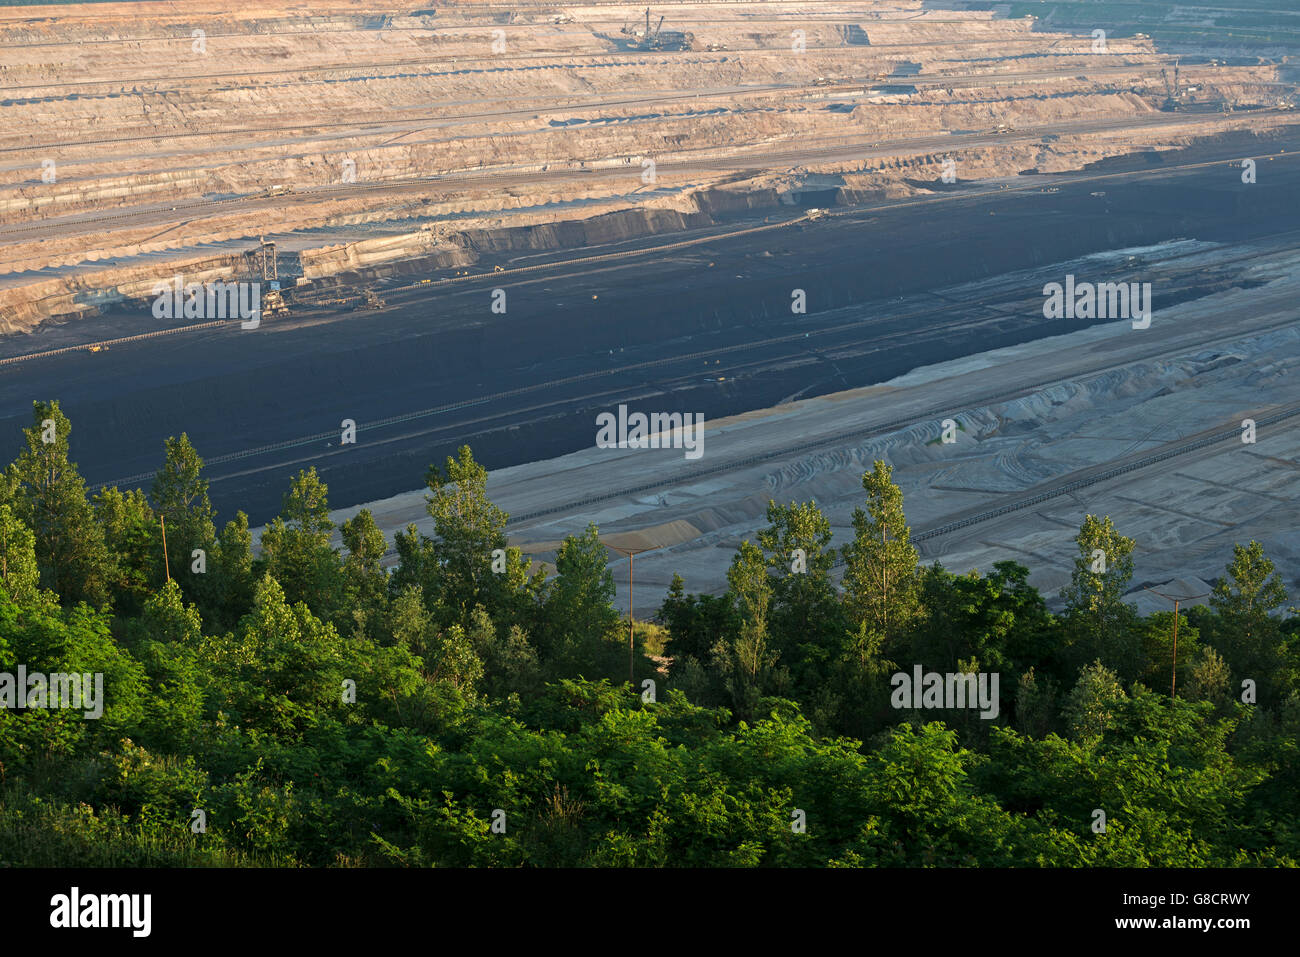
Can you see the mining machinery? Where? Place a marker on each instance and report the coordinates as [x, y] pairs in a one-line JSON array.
[[1171, 90], [646, 38], [267, 269]]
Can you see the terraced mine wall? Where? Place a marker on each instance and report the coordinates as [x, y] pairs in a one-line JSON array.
[[92, 292], [241, 391], [431, 250]]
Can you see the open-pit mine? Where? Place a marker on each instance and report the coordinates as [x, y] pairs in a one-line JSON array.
[[832, 229]]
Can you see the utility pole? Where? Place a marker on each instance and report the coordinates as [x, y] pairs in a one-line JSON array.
[[162, 520], [1176, 599], [631, 554]]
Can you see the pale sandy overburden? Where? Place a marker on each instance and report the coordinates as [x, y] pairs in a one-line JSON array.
[[142, 119]]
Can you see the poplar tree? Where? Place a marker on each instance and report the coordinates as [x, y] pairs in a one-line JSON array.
[[746, 660], [49, 496], [365, 582], [296, 546], [180, 495], [880, 575], [229, 588], [797, 542], [578, 613], [1245, 598], [456, 566], [1102, 625]]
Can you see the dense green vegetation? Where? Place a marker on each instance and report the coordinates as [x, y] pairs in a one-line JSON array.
[[467, 710]]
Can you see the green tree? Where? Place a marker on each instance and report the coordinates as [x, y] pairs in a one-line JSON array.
[[578, 611], [296, 546], [456, 566], [1091, 706], [1173, 793], [282, 672], [746, 660], [180, 495], [1035, 705], [46, 638], [924, 810], [694, 622], [510, 663], [1209, 679], [452, 659], [997, 619], [169, 651], [133, 539], [167, 618], [365, 582], [50, 498], [19, 575], [1156, 639], [806, 617], [1245, 599], [880, 574], [1101, 624], [228, 594], [410, 623]]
